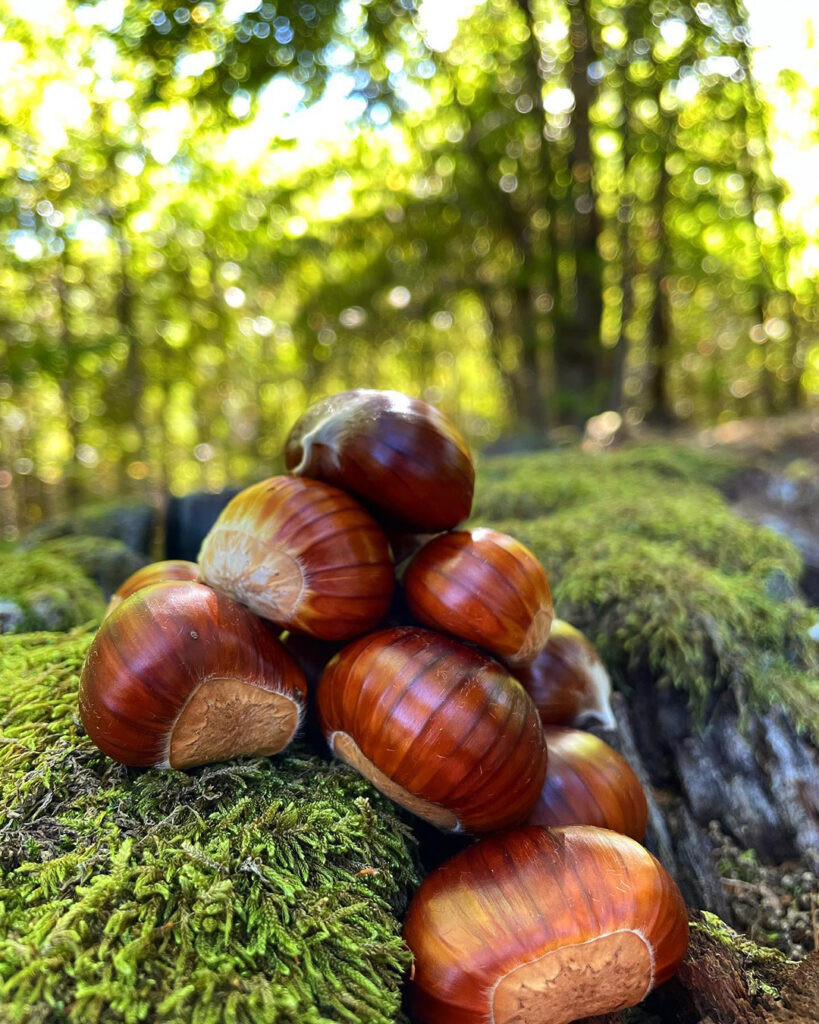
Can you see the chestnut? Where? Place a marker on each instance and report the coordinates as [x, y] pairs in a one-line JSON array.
[[589, 783], [157, 572], [180, 675], [483, 586], [543, 925], [310, 654], [441, 728], [567, 681], [396, 453], [304, 555]]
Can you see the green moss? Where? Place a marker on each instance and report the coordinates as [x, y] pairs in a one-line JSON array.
[[758, 961], [662, 575], [258, 890], [532, 485], [43, 590], [107, 562]]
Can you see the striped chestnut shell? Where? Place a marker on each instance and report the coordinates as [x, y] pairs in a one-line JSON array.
[[485, 587], [438, 727], [304, 555], [398, 454], [156, 572], [567, 681], [589, 783], [180, 675], [543, 926]]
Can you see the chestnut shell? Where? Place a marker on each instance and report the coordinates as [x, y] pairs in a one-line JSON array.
[[180, 675], [483, 586], [302, 554], [156, 572], [568, 681], [397, 454], [589, 783], [543, 925], [439, 727]]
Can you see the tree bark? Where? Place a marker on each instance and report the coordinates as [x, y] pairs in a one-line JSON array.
[[660, 328], [582, 368]]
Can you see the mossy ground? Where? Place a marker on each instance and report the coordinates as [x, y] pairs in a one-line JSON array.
[[42, 589], [253, 891], [644, 554]]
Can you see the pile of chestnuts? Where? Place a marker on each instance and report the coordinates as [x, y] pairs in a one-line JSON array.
[[455, 692]]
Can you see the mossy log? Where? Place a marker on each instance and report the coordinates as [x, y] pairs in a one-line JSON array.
[[106, 561], [273, 890], [725, 979], [134, 524], [252, 891], [699, 618]]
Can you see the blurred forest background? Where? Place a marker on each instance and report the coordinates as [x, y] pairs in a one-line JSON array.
[[526, 211]]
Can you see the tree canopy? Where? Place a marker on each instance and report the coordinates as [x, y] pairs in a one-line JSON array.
[[212, 213]]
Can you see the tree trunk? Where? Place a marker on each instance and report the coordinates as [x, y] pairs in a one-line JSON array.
[[659, 330], [132, 383], [524, 380], [72, 487], [583, 369]]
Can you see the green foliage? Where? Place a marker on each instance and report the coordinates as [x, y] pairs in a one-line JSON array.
[[565, 208], [252, 891], [243, 51], [41, 589], [662, 576]]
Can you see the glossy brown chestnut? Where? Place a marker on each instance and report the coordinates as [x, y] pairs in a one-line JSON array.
[[310, 654], [157, 572], [302, 554], [396, 453], [180, 675], [440, 728], [589, 783], [567, 681], [486, 587], [543, 926]]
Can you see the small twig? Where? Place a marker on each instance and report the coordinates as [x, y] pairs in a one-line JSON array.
[[738, 883]]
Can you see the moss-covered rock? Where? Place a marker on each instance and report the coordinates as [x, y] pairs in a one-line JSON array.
[[258, 890], [107, 562], [132, 523], [653, 564], [535, 484], [42, 590]]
